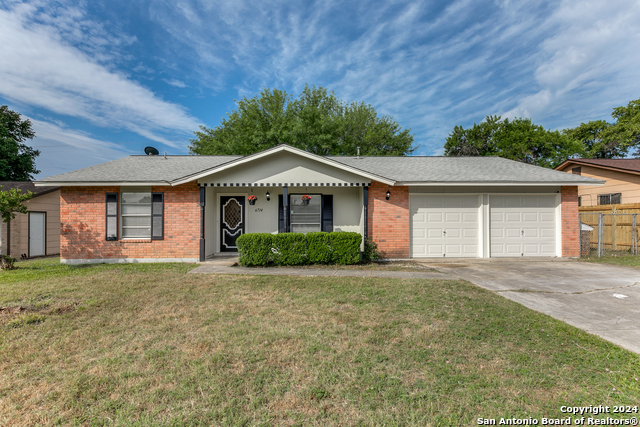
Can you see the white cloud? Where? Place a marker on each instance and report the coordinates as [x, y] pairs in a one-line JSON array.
[[588, 65], [63, 149], [41, 68], [174, 82]]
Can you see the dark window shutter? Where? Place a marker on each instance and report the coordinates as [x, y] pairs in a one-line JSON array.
[[157, 216], [280, 214], [579, 200], [327, 213], [112, 216]]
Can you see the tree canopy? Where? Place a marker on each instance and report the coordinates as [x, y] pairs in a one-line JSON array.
[[522, 140], [17, 160], [604, 140], [316, 121], [518, 139]]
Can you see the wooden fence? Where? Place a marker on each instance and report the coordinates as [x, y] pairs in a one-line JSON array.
[[624, 208]]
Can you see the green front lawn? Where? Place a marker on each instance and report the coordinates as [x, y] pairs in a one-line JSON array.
[[621, 260], [152, 345]]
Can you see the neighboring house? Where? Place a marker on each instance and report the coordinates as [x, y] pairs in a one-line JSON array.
[[36, 233], [189, 208], [622, 178]]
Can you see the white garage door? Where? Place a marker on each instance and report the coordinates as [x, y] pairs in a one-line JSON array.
[[523, 225], [444, 226]]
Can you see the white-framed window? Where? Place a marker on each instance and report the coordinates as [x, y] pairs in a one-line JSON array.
[[305, 216], [135, 212], [610, 199]]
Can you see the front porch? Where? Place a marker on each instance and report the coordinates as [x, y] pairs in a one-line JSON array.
[[226, 212]]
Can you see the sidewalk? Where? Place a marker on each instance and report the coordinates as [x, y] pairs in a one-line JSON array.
[[221, 268]]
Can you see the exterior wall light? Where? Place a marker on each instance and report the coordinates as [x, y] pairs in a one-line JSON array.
[[268, 196], [388, 194]]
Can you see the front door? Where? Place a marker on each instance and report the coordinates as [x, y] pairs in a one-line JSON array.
[[231, 222]]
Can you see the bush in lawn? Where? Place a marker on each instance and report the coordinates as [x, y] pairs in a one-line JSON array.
[[346, 247], [255, 248], [290, 249], [371, 252], [319, 247]]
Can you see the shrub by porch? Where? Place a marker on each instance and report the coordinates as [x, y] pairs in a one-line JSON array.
[[299, 249]]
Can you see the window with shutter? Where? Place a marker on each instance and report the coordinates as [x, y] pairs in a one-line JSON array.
[[306, 212], [316, 216], [157, 216], [112, 216]]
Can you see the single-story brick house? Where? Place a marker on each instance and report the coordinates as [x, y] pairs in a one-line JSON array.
[[36, 233], [622, 178], [189, 208]]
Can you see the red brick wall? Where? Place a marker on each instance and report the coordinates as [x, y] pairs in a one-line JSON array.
[[82, 223], [388, 220], [570, 222]]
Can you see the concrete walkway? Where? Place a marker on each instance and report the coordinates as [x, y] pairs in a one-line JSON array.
[[221, 268]]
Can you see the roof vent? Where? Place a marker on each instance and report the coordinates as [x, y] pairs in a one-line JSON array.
[[151, 151], [358, 152]]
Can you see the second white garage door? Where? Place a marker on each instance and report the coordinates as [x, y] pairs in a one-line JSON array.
[[523, 225], [444, 226]]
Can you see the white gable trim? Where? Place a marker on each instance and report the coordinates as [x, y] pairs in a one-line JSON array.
[[278, 149]]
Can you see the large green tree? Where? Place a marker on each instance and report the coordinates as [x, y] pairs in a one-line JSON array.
[[316, 121], [17, 160], [605, 140], [518, 139]]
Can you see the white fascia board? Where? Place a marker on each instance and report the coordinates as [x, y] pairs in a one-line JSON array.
[[496, 183], [278, 149], [99, 184]]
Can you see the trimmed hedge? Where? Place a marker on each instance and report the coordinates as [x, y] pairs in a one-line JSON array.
[[339, 247]]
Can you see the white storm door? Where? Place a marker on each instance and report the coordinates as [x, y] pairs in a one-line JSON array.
[[36, 233], [444, 225], [523, 225]]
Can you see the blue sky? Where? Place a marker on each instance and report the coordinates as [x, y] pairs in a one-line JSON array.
[[102, 79]]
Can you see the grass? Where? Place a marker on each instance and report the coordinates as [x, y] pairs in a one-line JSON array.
[[150, 345], [632, 261]]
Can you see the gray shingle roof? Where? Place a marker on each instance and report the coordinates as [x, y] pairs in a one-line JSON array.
[[25, 186], [157, 169], [460, 169], [142, 169]]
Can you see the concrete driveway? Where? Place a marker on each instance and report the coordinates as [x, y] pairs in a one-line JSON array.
[[601, 299]]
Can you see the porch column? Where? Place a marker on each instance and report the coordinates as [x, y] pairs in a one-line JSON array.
[[365, 204], [202, 203], [365, 201], [285, 208]]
